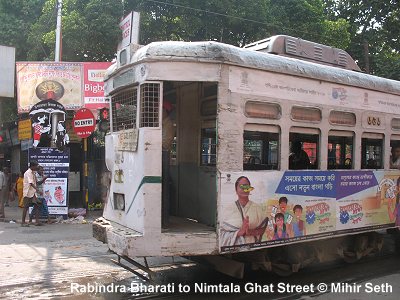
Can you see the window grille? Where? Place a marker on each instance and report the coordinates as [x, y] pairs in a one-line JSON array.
[[124, 106], [149, 104], [208, 147], [340, 150], [372, 151], [260, 150]]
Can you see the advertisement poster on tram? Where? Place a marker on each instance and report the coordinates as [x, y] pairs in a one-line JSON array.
[[56, 167], [263, 209]]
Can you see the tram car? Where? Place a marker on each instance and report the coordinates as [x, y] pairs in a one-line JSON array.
[[275, 155]]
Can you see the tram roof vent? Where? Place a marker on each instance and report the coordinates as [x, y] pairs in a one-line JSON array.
[[285, 45]]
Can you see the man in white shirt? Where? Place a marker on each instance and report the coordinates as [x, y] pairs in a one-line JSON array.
[[3, 192], [29, 192]]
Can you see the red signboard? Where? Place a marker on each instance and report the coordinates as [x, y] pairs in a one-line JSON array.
[[84, 123], [94, 85]]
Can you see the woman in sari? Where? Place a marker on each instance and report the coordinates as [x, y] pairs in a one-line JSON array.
[[19, 186]]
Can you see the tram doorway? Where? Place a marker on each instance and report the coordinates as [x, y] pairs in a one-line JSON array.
[[189, 169]]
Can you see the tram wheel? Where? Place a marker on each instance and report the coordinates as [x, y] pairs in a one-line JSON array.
[[360, 246], [282, 269]]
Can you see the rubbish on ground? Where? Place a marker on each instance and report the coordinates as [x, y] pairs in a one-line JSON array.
[[75, 212], [77, 220]]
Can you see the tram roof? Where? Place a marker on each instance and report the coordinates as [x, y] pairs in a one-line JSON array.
[[215, 52]]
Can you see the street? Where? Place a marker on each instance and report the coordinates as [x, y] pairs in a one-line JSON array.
[[40, 262], [64, 261]]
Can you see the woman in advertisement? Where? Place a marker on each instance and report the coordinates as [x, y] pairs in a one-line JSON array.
[[245, 221], [280, 232]]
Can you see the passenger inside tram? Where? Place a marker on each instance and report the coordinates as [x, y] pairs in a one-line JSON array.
[[395, 157], [298, 158]]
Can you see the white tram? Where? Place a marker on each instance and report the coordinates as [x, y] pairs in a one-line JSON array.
[[202, 147]]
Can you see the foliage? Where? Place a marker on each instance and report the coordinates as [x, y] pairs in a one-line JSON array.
[[8, 110], [373, 26], [16, 19], [90, 27], [235, 22]]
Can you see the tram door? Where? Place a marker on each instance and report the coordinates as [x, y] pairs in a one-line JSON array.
[[194, 173]]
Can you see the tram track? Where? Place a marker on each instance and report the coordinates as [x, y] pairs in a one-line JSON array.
[[356, 273], [366, 269]]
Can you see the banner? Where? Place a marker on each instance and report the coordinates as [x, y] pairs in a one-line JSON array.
[[37, 81], [129, 26], [56, 167], [262, 209], [94, 84], [24, 129]]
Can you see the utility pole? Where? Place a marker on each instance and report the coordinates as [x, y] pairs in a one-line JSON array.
[[58, 32], [366, 56]]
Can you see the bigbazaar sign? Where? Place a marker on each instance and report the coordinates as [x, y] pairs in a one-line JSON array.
[[73, 84], [93, 84]]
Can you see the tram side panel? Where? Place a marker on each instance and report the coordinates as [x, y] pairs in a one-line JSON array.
[[136, 174]]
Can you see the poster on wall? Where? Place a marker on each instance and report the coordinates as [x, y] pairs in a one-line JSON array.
[[94, 84], [37, 81], [262, 209], [56, 167]]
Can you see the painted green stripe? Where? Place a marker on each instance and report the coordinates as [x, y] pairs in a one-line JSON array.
[[146, 179]]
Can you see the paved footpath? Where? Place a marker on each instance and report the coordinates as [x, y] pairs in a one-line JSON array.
[[42, 262]]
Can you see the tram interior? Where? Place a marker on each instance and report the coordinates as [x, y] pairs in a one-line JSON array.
[[189, 196]]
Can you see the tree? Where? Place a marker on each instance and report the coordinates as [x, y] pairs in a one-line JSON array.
[[89, 29], [236, 22], [16, 19], [374, 31]]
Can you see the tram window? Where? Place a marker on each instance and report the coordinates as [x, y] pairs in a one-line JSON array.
[[396, 124], [372, 152], [306, 114], [124, 110], [342, 118], [304, 149], [208, 147], [340, 150], [149, 104], [395, 152], [260, 150], [263, 110]]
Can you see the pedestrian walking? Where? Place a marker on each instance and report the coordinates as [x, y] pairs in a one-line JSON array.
[[19, 189], [29, 192], [7, 175], [43, 209], [3, 192]]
